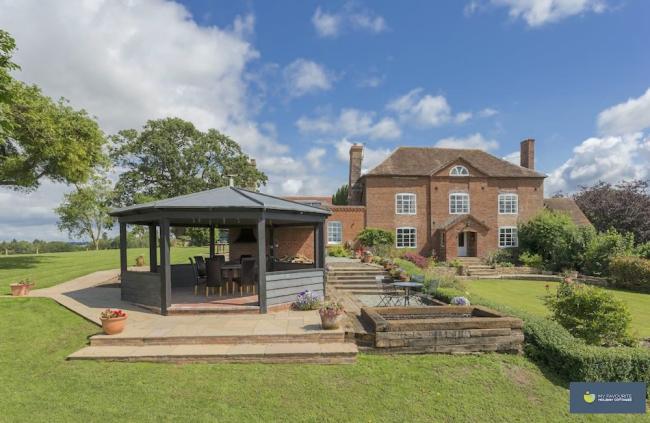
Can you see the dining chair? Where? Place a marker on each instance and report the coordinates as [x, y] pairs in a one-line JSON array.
[[200, 265], [198, 280], [247, 277], [388, 294], [244, 256], [214, 278]]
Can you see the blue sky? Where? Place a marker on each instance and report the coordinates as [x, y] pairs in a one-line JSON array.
[[296, 81]]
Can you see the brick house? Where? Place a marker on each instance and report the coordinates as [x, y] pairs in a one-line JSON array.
[[441, 202]]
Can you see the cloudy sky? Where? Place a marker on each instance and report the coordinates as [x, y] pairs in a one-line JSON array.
[[295, 83]]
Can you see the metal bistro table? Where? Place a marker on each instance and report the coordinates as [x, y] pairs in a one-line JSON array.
[[407, 288]]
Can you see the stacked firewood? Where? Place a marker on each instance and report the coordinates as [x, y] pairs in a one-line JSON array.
[[299, 258]]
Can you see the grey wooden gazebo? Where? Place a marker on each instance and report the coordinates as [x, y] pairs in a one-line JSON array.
[[227, 207]]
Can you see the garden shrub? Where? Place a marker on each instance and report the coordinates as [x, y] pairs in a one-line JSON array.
[[500, 257], [337, 251], [551, 345], [531, 260], [373, 237], [417, 259], [631, 273], [643, 250], [555, 237], [602, 248], [590, 313]]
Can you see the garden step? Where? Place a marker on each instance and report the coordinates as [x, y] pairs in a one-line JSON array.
[[351, 282], [121, 340], [319, 353]]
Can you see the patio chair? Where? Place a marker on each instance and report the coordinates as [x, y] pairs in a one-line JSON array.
[[247, 275], [244, 256], [220, 257], [388, 294], [198, 280], [200, 265], [214, 278]]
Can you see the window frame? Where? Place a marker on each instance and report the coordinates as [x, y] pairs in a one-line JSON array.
[[415, 203], [466, 194], [508, 194], [340, 231], [460, 169], [514, 234], [415, 236]]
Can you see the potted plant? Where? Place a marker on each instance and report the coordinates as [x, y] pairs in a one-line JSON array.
[[366, 257], [329, 314], [113, 321], [21, 288], [403, 276], [139, 261]]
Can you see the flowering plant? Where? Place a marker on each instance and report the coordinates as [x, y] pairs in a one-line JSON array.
[[112, 313], [461, 301], [331, 309], [25, 282], [307, 300]]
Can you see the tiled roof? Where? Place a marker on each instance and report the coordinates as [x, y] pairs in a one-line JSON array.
[[569, 206], [424, 161]]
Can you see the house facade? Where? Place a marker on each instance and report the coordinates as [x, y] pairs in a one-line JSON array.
[[440, 202]]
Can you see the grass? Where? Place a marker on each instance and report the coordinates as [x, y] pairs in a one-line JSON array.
[[39, 385], [527, 296], [51, 269]]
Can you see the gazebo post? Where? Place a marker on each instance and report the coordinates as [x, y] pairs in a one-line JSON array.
[[123, 246], [165, 268], [153, 256], [211, 240], [317, 246], [261, 262], [321, 245]]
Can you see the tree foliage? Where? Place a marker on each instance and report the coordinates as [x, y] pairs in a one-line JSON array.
[[374, 237], [340, 198], [84, 212], [40, 137], [170, 157], [624, 207], [602, 248]]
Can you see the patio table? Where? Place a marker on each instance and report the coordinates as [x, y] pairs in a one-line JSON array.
[[407, 289]]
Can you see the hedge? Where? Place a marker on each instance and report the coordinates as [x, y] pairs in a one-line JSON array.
[[547, 342], [631, 273]]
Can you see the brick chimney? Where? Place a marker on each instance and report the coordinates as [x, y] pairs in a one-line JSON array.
[[355, 190], [527, 154]]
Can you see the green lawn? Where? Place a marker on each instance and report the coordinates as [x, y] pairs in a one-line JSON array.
[[527, 296], [39, 385], [51, 269]]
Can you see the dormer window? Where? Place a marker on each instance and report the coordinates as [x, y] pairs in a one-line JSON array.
[[459, 171]]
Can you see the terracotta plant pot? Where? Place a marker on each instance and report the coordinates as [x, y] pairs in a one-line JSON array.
[[404, 277], [329, 321], [18, 290], [113, 325]]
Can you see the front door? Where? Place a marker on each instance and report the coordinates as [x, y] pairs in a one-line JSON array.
[[462, 244]]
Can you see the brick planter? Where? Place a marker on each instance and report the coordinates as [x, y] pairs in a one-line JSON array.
[[443, 329]]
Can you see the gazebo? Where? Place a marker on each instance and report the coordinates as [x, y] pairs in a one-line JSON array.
[[258, 215]]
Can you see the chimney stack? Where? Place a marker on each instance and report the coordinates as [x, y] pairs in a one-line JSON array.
[[527, 154], [355, 191]]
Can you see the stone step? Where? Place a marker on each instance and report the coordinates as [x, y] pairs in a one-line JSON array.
[[121, 340], [478, 266], [351, 282], [346, 280], [317, 353], [329, 274]]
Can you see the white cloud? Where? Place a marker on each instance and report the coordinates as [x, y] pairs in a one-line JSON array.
[[332, 24], [514, 157], [488, 112], [292, 186], [371, 81], [371, 156], [608, 159], [540, 12], [314, 156], [304, 77], [425, 110], [471, 141], [351, 122], [625, 118]]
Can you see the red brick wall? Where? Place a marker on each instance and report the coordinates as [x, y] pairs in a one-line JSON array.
[[291, 241], [432, 213], [352, 220]]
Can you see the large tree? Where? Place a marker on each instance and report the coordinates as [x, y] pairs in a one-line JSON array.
[[170, 157], [624, 207], [84, 212], [40, 137]]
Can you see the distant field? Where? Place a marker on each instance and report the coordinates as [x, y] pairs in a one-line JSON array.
[[528, 296], [51, 269]]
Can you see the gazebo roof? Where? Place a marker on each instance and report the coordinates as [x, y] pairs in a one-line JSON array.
[[226, 198]]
